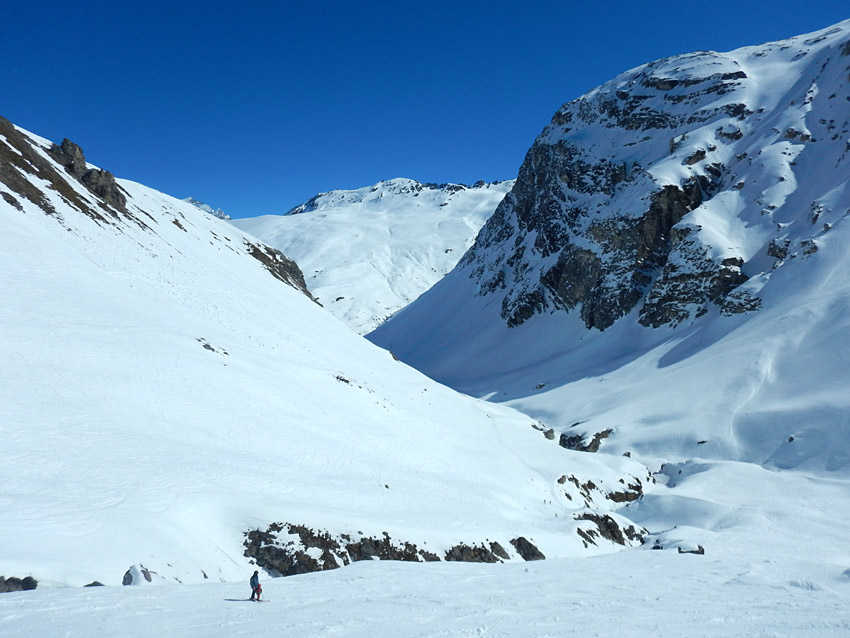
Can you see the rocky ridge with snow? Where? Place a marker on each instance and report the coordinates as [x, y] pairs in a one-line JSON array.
[[370, 251], [674, 188], [215, 212]]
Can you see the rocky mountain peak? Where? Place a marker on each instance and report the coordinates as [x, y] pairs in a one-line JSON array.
[[398, 189], [215, 212], [619, 203]]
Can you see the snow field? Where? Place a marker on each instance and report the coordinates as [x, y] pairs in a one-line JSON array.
[[163, 394], [634, 594]]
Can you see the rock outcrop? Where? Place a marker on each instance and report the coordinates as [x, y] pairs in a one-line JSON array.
[[279, 265], [660, 191], [13, 583], [285, 549], [98, 181]]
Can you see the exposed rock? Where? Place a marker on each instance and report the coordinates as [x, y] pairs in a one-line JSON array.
[[285, 549], [633, 492], [94, 583], [138, 575], [739, 301], [280, 266], [700, 550], [499, 551], [576, 441], [383, 549], [778, 249], [526, 549], [588, 230], [10, 199], [101, 183], [610, 530], [698, 156], [70, 156], [730, 132], [13, 583], [472, 554], [18, 159]]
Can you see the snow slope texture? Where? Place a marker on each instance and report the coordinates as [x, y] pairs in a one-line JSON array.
[[367, 252], [165, 392]]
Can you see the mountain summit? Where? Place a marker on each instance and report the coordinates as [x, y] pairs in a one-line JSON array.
[[675, 188]]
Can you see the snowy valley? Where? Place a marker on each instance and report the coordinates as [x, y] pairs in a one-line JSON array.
[[638, 371], [175, 397], [367, 253]]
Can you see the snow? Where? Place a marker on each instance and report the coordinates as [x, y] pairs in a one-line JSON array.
[[367, 252], [636, 594], [752, 408], [162, 394]]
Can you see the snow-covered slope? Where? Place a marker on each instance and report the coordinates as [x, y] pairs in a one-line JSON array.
[[631, 595], [367, 252], [167, 387], [669, 276], [686, 221]]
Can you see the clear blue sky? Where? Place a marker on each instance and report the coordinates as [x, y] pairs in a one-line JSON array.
[[254, 107]]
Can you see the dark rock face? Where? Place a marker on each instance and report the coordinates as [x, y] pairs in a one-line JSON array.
[[589, 229], [12, 583], [17, 159], [608, 529], [135, 574], [280, 266], [70, 156], [285, 549], [526, 549], [577, 441], [632, 492], [472, 554], [100, 182]]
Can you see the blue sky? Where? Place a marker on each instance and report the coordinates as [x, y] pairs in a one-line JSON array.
[[254, 107]]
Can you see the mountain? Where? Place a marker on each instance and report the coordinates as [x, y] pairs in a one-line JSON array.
[[215, 212], [370, 251], [175, 407], [667, 279]]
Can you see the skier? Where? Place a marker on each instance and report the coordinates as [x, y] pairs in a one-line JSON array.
[[256, 590]]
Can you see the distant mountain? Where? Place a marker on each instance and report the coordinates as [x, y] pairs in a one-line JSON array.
[[215, 212], [174, 407], [669, 269], [367, 252]]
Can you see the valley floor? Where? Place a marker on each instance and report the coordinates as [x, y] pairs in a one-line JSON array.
[[635, 593]]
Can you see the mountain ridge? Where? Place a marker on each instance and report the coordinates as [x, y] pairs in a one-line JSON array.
[[370, 251]]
